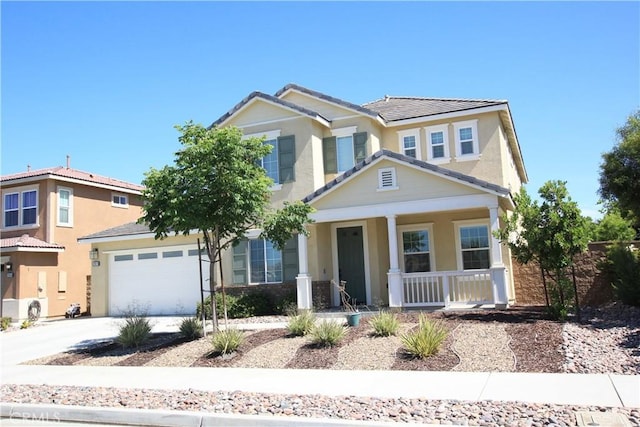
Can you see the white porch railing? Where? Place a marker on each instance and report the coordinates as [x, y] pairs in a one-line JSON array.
[[445, 287]]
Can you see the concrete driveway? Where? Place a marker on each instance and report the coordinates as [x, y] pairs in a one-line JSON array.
[[54, 336]]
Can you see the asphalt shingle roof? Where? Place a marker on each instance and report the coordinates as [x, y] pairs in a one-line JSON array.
[[63, 172], [128, 229], [409, 160], [394, 108]]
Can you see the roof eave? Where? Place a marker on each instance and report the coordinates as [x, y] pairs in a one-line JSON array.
[[54, 176], [256, 97], [507, 122], [20, 248], [358, 109]]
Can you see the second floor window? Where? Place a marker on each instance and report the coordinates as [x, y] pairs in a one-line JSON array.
[[343, 150], [410, 143], [21, 208], [437, 143], [467, 140], [280, 163], [119, 200], [65, 203]]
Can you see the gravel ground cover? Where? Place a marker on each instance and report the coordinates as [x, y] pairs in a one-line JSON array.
[[523, 340]]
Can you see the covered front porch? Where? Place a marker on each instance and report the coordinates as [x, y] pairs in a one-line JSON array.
[[417, 254]]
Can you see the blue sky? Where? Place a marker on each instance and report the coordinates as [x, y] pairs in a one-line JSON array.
[[105, 82]]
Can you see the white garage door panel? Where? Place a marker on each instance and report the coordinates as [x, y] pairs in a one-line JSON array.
[[159, 286]]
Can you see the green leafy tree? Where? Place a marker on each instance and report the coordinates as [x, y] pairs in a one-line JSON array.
[[216, 187], [613, 227], [620, 171], [550, 233]]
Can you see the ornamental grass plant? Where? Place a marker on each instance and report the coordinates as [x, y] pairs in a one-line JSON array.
[[426, 340], [327, 333], [384, 324], [301, 324], [227, 341]]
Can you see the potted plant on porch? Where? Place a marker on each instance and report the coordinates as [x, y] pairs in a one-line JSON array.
[[353, 315]]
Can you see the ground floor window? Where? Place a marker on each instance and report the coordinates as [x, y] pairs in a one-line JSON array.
[[416, 248], [257, 261], [265, 262], [474, 246]]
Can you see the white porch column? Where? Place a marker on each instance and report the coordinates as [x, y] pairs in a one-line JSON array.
[[496, 252], [498, 270], [394, 276], [303, 279]]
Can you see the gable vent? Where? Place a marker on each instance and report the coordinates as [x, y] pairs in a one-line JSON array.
[[387, 179]]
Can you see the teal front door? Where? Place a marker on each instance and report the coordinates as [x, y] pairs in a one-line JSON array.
[[351, 262]]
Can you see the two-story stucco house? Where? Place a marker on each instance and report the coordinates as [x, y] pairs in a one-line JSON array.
[[407, 192], [43, 213]]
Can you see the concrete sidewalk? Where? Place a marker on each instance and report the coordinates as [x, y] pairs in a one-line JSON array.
[[563, 389]]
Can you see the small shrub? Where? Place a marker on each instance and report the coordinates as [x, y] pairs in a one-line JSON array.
[[227, 341], [134, 332], [288, 305], [385, 324], [247, 305], [623, 262], [327, 333], [25, 324], [191, 328], [426, 341], [301, 324], [5, 323]]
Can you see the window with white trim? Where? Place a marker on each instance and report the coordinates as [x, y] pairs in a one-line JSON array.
[[409, 141], [119, 200], [437, 143], [467, 145], [387, 179], [416, 248], [279, 164], [343, 149], [20, 207], [265, 262], [473, 245], [257, 261], [65, 206], [270, 161]]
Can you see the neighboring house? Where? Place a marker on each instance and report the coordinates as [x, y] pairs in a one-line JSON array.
[[43, 213], [407, 190]]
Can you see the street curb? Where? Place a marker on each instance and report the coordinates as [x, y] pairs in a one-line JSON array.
[[163, 418]]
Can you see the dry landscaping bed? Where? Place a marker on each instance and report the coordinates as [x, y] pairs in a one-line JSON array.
[[534, 343]]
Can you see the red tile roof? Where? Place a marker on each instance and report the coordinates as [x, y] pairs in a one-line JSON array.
[[63, 172], [27, 242]]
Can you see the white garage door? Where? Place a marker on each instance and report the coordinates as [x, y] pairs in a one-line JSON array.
[[162, 281]]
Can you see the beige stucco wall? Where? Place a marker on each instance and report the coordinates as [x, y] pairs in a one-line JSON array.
[[413, 184], [327, 110], [488, 167], [260, 111]]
